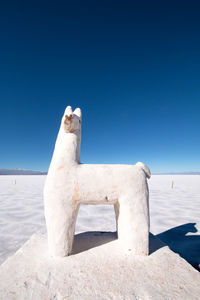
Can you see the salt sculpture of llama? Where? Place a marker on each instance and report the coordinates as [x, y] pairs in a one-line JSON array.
[[69, 184]]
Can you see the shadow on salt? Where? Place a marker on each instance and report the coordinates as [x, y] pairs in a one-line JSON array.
[[182, 243], [187, 246]]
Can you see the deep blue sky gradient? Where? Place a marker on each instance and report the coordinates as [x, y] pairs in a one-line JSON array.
[[133, 67]]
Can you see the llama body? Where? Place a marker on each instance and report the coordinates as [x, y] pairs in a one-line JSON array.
[[70, 184]]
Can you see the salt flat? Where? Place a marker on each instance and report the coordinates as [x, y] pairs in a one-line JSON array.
[[174, 213]]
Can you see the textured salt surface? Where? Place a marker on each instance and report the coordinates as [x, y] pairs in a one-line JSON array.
[[103, 272], [171, 207], [21, 212]]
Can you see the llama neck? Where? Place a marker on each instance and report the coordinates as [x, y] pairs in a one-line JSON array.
[[67, 149], [78, 148]]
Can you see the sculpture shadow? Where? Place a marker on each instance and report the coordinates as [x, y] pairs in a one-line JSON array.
[[187, 246], [91, 239]]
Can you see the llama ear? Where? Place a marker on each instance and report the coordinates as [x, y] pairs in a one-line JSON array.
[[77, 112], [68, 111]]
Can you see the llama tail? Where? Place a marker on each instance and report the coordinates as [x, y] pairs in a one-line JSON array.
[[144, 168]]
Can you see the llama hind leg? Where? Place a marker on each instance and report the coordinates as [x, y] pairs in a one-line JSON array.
[[116, 208], [133, 224], [60, 228]]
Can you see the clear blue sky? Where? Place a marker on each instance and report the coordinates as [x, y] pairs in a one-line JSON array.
[[133, 67]]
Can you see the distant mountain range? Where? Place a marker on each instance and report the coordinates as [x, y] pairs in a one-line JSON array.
[[178, 173], [20, 172], [30, 172]]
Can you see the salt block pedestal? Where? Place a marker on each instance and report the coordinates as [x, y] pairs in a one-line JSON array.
[[102, 272]]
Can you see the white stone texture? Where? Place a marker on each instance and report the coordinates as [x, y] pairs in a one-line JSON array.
[[103, 272], [70, 184]]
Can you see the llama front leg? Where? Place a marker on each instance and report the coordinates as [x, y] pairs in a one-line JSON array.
[[61, 222], [133, 224]]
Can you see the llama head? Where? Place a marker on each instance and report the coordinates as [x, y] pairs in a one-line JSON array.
[[72, 120]]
